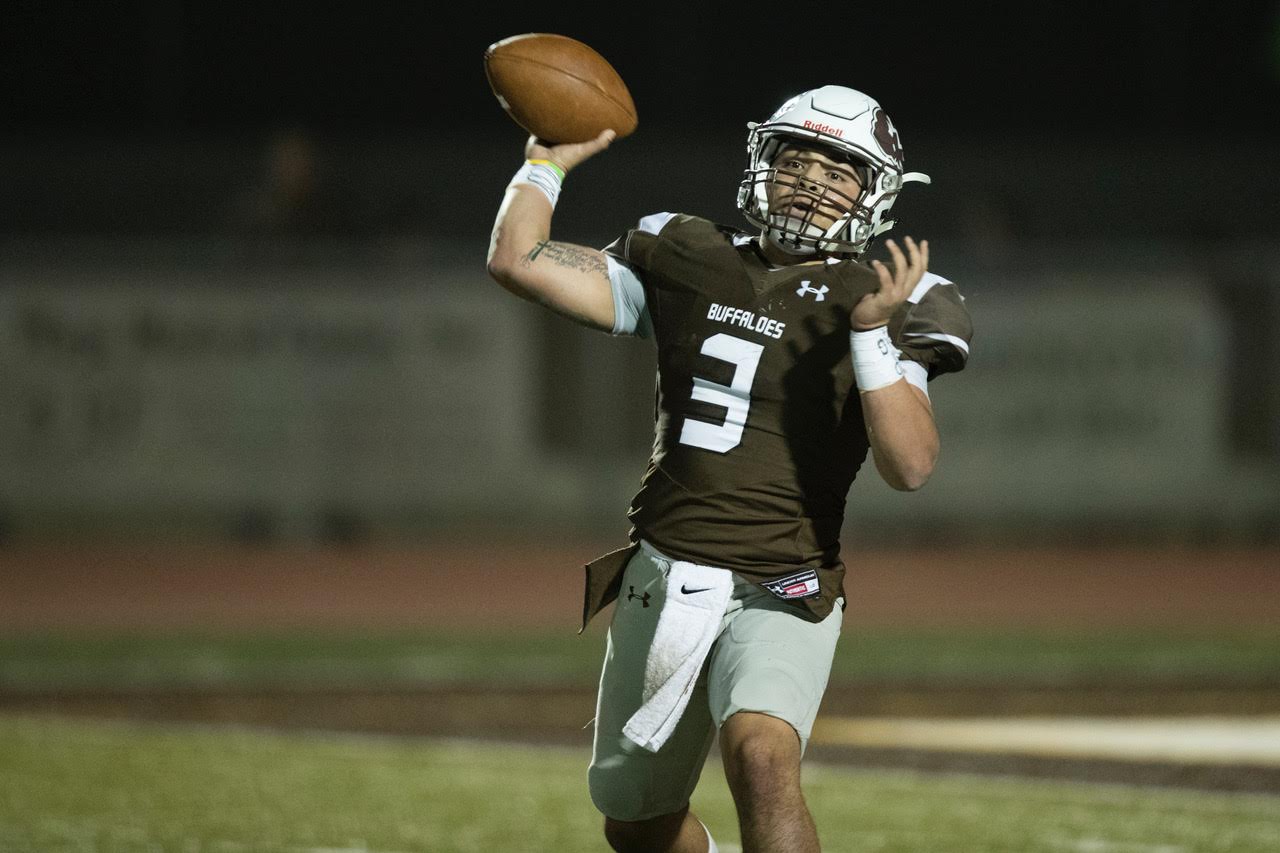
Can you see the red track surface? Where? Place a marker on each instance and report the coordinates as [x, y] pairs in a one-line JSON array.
[[477, 585]]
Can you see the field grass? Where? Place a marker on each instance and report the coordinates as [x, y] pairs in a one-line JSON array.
[[123, 661], [93, 786]]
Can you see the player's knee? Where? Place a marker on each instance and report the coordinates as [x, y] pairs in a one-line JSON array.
[[633, 823], [758, 758], [611, 794], [617, 796], [761, 754]]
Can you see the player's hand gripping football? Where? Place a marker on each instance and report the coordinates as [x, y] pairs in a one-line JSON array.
[[570, 154], [875, 309]]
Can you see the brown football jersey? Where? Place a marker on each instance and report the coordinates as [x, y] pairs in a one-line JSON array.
[[759, 429]]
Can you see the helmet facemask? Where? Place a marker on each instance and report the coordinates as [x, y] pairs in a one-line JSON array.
[[803, 215]]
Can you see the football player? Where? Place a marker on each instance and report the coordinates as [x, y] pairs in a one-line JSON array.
[[782, 358]]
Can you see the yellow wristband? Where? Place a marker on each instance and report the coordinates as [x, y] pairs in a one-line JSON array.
[[551, 165], [544, 175]]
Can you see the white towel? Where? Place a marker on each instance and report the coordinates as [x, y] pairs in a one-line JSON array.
[[697, 597]]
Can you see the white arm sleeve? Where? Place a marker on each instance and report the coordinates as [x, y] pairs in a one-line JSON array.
[[630, 308], [915, 373]]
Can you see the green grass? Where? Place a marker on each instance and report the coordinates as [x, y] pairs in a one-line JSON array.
[[88, 661], [82, 786]]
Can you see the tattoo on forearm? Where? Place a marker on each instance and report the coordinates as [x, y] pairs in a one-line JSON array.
[[565, 255]]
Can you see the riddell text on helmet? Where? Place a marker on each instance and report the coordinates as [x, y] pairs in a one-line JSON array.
[[823, 128]]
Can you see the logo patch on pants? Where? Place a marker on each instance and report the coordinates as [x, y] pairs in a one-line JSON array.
[[800, 585]]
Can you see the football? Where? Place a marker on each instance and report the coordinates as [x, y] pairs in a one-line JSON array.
[[558, 88]]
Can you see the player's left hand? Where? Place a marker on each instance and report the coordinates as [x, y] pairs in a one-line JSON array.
[[875, 309]]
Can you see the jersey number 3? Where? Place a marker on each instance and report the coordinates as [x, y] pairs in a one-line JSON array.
[[734, 397]]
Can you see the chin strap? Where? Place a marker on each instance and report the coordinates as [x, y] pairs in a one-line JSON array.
[[781, 240]]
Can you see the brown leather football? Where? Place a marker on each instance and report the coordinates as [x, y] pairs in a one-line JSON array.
[[558, 88]]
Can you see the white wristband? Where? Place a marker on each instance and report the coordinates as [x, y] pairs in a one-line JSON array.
[[875, 359], [544, 175]]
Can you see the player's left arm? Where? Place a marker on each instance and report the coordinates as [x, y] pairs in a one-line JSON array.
[[898, 415], [903, 435]]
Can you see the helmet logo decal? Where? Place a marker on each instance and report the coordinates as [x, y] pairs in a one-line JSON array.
[[887, 136], [823, 128], [819, 292]]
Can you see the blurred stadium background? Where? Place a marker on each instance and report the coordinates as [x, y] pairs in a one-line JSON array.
[[266, 425]]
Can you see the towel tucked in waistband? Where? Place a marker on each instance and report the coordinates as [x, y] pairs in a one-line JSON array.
[[697, 597]]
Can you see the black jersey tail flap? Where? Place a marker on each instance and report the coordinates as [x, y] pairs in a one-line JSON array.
[[604, 579]]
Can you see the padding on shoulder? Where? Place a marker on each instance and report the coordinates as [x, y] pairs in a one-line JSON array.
[[654, 222]]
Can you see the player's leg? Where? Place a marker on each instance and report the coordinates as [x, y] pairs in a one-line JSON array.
[[644, 796], [767, 674], [676, 833], [762, 765]]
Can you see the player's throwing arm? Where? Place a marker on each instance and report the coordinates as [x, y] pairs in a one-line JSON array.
[[574, 104], [569, 279]]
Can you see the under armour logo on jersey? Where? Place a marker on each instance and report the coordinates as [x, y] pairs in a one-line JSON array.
[[819, 292], [644, 600]]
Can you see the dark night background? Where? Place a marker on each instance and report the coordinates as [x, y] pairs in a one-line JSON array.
[[1133, 117], [1037, 68]]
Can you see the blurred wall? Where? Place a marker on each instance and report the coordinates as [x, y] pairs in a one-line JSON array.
[[338, 399]]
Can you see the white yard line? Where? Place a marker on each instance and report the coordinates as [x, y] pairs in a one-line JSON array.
[[1103, 845], [1190, 740], [339, 850]]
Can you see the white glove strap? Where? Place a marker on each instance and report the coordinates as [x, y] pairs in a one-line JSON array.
[[544, 175], [875, 359]]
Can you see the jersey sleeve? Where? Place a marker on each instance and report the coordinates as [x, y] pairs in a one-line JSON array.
[[629, 257], [933, 328], [630, 303], [637, 245]]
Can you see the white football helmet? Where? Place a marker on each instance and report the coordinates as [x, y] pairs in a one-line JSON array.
[[844, 124]]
